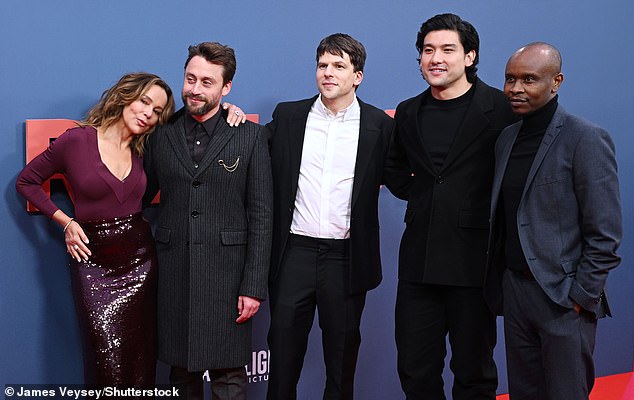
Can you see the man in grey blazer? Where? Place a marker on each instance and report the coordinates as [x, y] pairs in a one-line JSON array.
[[555, 229], [213, 231]]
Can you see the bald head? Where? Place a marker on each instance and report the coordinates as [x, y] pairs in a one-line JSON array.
[[544, 52], [533, 76]]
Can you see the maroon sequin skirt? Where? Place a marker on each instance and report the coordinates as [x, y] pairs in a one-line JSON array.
[[115, 298]]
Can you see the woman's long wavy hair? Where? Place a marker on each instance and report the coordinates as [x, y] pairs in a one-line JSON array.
[[130, 88]]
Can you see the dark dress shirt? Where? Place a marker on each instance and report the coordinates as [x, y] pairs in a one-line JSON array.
[[198, 135]]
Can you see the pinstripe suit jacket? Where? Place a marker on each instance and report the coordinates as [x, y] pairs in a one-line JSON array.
[[213, 236]]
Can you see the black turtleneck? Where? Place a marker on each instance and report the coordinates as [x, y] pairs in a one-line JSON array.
[[440, 121], [528, 140]]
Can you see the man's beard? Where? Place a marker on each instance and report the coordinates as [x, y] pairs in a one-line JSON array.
[[200, 110]]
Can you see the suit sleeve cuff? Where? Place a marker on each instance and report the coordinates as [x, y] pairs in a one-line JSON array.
[[580, 296]]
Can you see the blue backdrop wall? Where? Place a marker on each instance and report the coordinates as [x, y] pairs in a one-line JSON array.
[[57, 57]]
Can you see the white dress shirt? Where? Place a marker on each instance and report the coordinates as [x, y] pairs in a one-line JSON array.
[[326, 173]]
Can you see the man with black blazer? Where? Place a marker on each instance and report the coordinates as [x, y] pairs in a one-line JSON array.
[[555, 229], [327, 154], [442, 164], [213, 231]]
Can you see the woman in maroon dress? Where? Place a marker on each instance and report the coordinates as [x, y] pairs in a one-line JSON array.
[[113, 264]]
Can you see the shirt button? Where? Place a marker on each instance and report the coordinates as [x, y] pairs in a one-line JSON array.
[[196, 165], [196, 184], [440, 179], [197, 141], [194, 214]]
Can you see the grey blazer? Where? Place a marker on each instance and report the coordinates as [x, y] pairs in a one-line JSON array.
[[569, 216], [213, 235]]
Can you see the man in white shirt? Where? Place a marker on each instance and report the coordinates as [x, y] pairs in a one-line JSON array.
[[327, 154]]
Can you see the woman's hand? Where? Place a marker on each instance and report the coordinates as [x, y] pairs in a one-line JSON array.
[[76, 241]]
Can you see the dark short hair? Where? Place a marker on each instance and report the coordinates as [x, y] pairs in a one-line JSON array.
[[468, 37], [218, 54], [340, 43]]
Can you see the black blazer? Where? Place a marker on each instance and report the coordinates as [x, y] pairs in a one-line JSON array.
[[286, 139], [445, 238]]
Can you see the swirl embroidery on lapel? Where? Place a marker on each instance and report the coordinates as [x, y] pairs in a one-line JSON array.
[[229, 168]]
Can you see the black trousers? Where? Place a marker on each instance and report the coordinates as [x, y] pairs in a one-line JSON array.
[[425, 314], [226, 384], [314, 275], [548, 347]]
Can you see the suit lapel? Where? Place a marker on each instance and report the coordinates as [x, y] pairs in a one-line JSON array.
[[549, 138], [506, 142], [368, 135], [474, 122], [176, 135], [410, 124], [222, 134], [296, 132]]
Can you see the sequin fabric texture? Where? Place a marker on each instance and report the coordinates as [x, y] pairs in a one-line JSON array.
[[115, 298]]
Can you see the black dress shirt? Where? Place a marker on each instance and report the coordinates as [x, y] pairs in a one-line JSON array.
[[198, 135]]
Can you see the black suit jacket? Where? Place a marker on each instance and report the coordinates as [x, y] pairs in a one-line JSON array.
[[445, 238], [286, 139]]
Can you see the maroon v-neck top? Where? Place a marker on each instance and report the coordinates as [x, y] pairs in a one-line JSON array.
[[97, 193]]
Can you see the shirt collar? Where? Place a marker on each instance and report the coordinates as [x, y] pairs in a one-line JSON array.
[[208, 125], [353, 111]]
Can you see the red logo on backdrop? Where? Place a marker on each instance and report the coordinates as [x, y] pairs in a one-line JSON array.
[[39, 135]]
